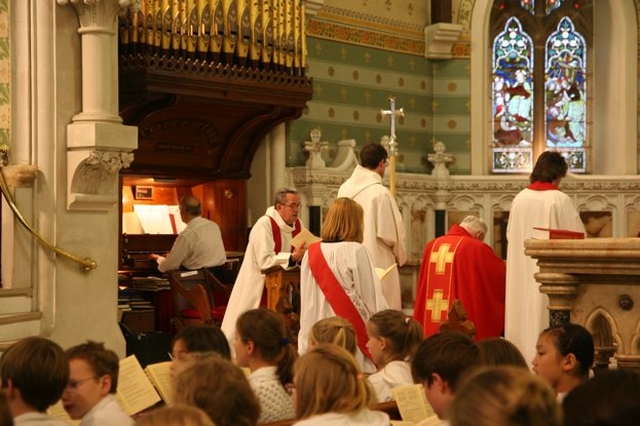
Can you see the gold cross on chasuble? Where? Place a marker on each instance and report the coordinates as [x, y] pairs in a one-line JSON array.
[[437, 305], [441, 258]]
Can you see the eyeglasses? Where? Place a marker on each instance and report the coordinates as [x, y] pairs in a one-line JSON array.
[[294, 206], [74, 384]]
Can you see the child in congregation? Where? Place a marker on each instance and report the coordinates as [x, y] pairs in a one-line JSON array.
[[499, 351], [564, 355], [221, 389], [93, 381], [336, 330], [331, 391], [504, 396], [440, 362], [176, 415], [261, 345], [195, 343], [393, 339], [33, 374], [611, 397], [5, 414]]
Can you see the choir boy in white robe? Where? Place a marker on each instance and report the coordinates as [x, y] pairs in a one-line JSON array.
[[271, 235], [383, 225], [348, 272], [543, 205]]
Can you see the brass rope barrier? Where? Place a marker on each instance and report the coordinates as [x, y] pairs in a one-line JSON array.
[[86, 263]]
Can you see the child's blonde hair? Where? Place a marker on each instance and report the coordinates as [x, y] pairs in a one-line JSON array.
[[176, 415], [504, 396], [336, 330], [328, 380], [221, 389]]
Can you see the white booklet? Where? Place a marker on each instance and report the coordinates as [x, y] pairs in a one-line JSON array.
[[304, 238], [384, 272]]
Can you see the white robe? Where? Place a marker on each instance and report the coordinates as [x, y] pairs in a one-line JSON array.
[[259, 255], [526, 308], [351, 265], [395, 373], [383, 227]]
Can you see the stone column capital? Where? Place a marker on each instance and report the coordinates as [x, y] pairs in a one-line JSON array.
[[98, 15]]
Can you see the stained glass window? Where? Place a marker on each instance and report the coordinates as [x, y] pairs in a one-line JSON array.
[[565, 94], [512, 99], [539, 82], [528, 5], [552, 5]]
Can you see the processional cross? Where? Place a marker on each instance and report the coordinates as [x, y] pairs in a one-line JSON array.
[[393, 144]]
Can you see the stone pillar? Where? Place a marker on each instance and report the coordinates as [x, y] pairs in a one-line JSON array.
[[440, 159], [561, 289], [98, 145]]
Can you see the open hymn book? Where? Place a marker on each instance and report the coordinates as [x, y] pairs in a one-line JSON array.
[[412, 405], [304, 238], [137, 388]]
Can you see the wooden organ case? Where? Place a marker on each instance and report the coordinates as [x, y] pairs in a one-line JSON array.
[[204, 81]]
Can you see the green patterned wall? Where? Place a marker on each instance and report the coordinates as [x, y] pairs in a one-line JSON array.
[[5, 73], [354, 76]]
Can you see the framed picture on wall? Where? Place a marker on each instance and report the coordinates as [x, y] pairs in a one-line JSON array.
[[143, 193]]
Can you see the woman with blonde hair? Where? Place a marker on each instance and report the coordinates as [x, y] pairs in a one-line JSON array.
[[175, 415], [330, 390], [504, 396], [339, 279]]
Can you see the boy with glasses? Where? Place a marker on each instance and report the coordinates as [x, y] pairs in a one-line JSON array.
[[93, 380]]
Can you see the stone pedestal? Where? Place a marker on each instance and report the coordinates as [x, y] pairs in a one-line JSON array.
[[594, 283]]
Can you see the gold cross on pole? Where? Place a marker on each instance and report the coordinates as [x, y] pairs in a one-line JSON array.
[[437, 305], [392, 112]]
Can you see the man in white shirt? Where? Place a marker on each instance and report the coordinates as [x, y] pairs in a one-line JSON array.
[[34, 372], [383, 225], [269, 245], [93, 380], [198, 246]]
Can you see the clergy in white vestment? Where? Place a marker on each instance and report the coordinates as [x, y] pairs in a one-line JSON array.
[[383, 226], [270, 236], [339, 279], [543, 205]]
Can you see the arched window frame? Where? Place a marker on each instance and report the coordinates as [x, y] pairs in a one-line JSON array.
[[614, 91], [537, 24]]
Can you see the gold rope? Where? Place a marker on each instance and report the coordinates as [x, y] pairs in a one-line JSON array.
[[86, 263]]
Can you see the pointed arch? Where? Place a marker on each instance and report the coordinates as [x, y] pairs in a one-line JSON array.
[[614, 89]]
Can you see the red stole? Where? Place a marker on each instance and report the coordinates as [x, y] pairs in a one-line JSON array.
[[439, 295], [336, 296], [277, 237], [542, 186], [277, 241]]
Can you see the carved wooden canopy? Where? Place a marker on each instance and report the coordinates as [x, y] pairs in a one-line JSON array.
[[202, 119]]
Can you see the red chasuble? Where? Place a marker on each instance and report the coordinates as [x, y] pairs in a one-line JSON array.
[[458, 266]]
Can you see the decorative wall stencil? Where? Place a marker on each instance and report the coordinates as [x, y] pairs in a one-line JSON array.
[[5, 74]]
